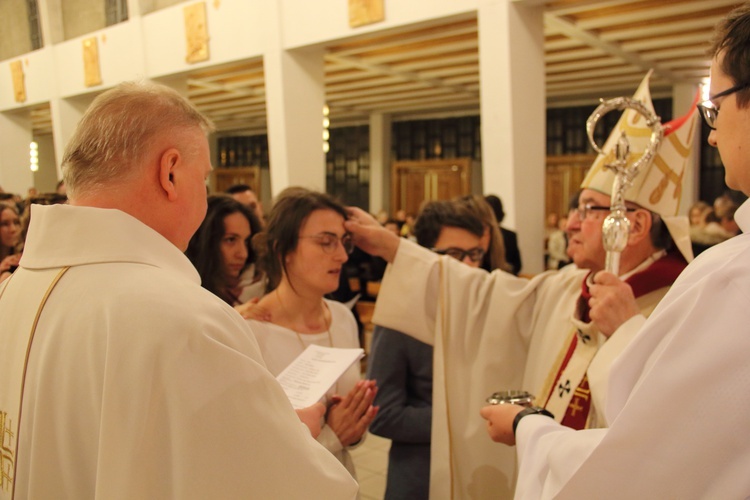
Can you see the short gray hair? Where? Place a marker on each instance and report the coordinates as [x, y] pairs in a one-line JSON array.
[[117, 129]]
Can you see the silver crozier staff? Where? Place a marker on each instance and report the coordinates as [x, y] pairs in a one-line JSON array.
[[616, 226]]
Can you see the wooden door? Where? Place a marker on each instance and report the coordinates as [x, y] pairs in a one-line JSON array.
[[226, 177], [415, 182], [563, 178]]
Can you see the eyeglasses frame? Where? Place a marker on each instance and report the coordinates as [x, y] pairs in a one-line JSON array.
[[708, 109], [464, 253], [329, 248], [583, 211]]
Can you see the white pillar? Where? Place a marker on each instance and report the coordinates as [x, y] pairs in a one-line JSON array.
[[51, 21], [45, 179], [380, 162], [15, 175], [66, 113], [683, 95], [137, 8], [512, 88], [295, 95]]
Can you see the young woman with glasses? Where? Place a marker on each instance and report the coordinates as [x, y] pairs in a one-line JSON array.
[[303, 250], [493, 255]]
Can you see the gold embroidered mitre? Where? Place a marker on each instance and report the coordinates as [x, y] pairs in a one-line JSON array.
[[658, 186]]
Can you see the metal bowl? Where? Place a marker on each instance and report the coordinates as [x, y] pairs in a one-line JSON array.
[[513, 397]]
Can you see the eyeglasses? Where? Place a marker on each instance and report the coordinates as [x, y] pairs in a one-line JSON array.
[[710, 112], [586, 209], [329, 242], [475, 254]]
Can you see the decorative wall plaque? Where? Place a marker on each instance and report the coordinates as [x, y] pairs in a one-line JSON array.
[[196, 32], [91, 73], [19, 81], [362, 12]]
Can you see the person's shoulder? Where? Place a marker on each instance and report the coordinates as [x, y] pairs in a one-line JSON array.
[[727, 260], [338, 308], [154, 293], [570, 277], [134, 304], [263, 329], [343, 321], [388, 337], [509, 233], [382, 334]]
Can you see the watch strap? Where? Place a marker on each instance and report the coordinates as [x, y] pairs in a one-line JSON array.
[[531, 410]]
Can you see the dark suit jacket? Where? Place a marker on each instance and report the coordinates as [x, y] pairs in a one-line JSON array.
[[512, 254], [402, 367]]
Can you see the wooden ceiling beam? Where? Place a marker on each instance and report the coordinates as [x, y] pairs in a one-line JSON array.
[[703, 24], [566, 8], [575, 31], [653, 10], [574, 55], [388, 71], [696, 39], [433, 51], [398, 42]]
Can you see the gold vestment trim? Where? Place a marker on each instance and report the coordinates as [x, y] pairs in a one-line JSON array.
[[26, 364]]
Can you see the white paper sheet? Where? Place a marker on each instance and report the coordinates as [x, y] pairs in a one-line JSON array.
[[307, 379]]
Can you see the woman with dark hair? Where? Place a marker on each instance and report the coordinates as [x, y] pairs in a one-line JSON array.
[[10, 240], [302, 251], [221, 252]]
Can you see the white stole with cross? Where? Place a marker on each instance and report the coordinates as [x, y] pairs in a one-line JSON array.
[[566, 387]]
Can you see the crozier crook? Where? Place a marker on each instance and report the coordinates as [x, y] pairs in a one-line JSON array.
[[616, 226]]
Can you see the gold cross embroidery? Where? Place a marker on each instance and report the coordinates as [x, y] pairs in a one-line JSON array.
[[6, 452], [579, 395]]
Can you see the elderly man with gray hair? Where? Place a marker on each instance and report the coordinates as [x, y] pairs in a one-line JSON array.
[[120, 377]]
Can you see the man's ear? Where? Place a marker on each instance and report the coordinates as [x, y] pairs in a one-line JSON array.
[[640, 226], [168, 163]]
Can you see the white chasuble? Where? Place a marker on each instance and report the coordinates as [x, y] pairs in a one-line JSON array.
[[22, 309]]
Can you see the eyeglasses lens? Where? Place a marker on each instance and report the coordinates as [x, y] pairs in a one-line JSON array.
[[330, 243], [475, 254]]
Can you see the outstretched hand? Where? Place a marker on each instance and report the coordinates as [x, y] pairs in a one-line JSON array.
[[350, 416], [612, 302], [370, 236]]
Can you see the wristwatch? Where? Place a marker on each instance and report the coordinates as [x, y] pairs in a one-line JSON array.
[[532, 410]]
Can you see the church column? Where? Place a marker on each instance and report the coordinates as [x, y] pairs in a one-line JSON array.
[[66, 113], [15, 175], [136, 8], [380, 162], [683, 95], [512, 88], [295, 95], [51, 21], [294, 108]]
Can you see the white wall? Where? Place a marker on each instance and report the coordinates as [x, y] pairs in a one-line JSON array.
[[230, 29], [312, 22], [45, 179], [40, 76]]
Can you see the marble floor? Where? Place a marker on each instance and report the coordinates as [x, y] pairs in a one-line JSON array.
[[371, 461]]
